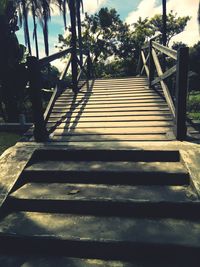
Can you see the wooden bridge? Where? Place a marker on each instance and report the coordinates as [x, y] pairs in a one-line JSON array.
[[111, 180]]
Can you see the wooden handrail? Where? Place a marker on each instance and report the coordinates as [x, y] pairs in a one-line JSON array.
[[46, 60], [163, 84], [177, 108], [165, 50], [164, 76], [56, 92]]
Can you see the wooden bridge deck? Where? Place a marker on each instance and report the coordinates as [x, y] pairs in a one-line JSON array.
[[112, 110]]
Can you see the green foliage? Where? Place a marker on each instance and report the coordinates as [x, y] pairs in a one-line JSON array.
[[175, 25], [107, 36], [177, 45], [194, 102], [193, 107], [50, 76]]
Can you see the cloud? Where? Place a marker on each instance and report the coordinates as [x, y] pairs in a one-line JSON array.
[[55, 11], [91, 6], [148, 8]]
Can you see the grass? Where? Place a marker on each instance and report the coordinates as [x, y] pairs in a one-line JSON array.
[[7, 140], [194, 105]]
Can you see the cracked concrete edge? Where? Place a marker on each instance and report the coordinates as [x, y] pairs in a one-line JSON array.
[[12, 163], [191, 160]]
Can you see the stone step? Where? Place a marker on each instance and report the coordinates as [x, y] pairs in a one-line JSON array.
[[123, 172], [144, 201], [62, 261], [134, 155], [98, 236]]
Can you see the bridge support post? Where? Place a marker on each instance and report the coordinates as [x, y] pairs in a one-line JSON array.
[[151, 64], [40, 132], [181, 93], [89, 66]]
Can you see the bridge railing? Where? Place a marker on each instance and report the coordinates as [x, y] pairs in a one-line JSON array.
[[151, 64], [34, 67]]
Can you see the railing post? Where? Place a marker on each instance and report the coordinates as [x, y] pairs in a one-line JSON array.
[[89, 66], [74, 44], [139, 65], [151, 64], [181, 93], [40, 132]]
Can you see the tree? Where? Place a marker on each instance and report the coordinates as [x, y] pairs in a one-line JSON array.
[[11, 53], [103, 32], [175, 25], [22, 8], [106, 35]]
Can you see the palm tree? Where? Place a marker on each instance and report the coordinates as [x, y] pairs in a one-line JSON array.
[[22, 8], [164, 23], [44, 21], [34, 6], [79, 4]]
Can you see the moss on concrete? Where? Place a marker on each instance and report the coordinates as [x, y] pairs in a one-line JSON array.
[[7, 140]]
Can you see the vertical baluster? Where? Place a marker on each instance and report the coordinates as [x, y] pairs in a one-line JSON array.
[[89, 67], [151, 64]]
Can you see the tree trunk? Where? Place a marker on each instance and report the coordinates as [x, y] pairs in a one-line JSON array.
[[35, 32], [79, 33], [26, 29]]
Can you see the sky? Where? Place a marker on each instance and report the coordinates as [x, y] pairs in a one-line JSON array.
[[130, 11]]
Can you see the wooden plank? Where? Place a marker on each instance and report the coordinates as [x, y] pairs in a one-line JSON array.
[[163, 84], [119, 92], [109, 85], [123, 131], [131, 79], [113, 110], [113, 94], [113, 114], [119, 119], [100, 124], [118, 105], [164, 76], [108, 138], [109, 99], [111, 91]]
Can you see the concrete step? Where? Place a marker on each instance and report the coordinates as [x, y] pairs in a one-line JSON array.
[[99, 237], [107, 167], [123, 172], [143, 201], [134, 155], [61, 261]]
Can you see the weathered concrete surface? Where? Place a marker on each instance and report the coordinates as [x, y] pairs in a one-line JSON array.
[[12, 163], [177, 231], [36, 261]]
